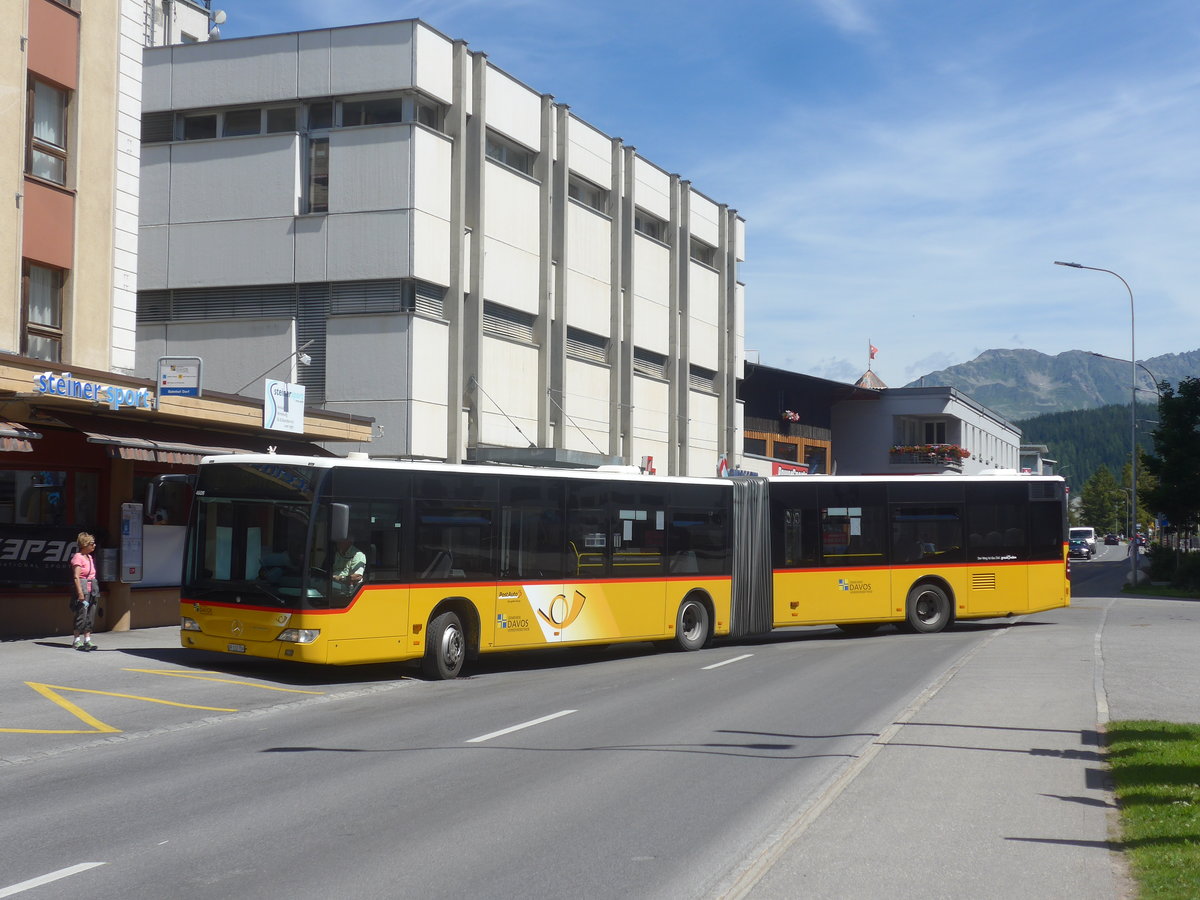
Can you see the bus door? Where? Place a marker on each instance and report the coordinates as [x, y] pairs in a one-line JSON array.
[[616, 560], [857, 578], [532, 600]]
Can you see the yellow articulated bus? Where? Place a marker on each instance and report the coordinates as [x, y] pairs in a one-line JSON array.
[[919, 551], [358, 561]]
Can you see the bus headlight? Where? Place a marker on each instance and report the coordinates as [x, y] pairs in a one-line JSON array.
[[299, 635], [187, 624]]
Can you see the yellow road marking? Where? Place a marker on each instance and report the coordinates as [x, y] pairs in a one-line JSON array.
[[50, 692], [265, 687]]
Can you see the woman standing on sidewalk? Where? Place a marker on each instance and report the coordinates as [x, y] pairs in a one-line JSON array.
[[86, 591]]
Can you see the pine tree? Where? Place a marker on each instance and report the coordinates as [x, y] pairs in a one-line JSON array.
[[1176, 459], [1104, 503]]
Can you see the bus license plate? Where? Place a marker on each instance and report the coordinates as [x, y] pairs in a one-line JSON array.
[[237, 648]]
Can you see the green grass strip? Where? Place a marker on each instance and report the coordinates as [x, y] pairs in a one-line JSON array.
[[1156, 770]]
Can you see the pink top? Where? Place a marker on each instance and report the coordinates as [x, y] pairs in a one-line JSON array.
[[84, 566]]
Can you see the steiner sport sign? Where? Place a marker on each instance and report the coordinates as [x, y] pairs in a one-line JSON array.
[[36, 554]]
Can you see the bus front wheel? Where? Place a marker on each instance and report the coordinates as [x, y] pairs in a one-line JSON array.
[[691, 625], [445, 647], [928, 609]]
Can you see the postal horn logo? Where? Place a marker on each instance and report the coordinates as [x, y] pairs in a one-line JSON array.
[[561, 614]]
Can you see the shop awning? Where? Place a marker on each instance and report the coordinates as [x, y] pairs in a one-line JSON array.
[[15, 438], [155, 442]]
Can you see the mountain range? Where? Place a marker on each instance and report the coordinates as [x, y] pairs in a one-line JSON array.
[[1020, 384]]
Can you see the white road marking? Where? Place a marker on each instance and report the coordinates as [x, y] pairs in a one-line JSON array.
[[529, 724], [726, 662], [47, 878]]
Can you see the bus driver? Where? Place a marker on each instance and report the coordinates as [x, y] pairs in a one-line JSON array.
[[349, 565]]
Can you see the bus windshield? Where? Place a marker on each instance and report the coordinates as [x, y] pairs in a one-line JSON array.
[[249, 537]]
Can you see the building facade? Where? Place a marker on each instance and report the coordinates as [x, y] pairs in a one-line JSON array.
[[80, 433], [789, 420], [918, 430], [464, 259]]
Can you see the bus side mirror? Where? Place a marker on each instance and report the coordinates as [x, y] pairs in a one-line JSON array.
[[339, 521], [154, 486]]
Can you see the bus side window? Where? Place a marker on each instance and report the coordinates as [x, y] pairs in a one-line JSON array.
[[382, 540], [697, 542], [453, 540], [587, 542]]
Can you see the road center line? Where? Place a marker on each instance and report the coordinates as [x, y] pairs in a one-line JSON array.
[[529, 724], [726, 662], [47, 878]]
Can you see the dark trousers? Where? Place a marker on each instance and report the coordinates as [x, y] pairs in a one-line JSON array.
[[85, 614]]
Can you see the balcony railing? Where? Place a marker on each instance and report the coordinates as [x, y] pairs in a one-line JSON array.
[[943, 457]]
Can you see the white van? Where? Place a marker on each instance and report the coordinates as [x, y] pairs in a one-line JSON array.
[[1085, 534]]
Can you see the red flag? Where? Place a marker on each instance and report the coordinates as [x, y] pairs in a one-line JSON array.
[[874, 350]]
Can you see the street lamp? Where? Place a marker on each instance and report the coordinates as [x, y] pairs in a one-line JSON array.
[[1153, 378], [1133, 556], [303, 358]]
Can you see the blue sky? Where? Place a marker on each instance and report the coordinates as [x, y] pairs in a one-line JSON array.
[[908, 169]]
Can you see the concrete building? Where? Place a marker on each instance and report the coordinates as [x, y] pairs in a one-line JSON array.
[[80, 434], [788, 420], [921, 430], [464, 259]]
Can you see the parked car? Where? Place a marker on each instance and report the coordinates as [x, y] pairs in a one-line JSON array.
[[1078, 548], [1111, 540]]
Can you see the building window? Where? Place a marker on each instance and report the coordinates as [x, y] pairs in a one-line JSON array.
[[650, 226], [199, 127], [786, 451], [281, 119], [372, 112], [42, 331], [320, 115], [429, 114], [588, 194], [703, 253], [754, 446], [509, 154], [318, 176], [935, 432], [46, 151], [238, 122]]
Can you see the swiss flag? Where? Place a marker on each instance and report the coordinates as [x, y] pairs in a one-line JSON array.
[[874, 350]]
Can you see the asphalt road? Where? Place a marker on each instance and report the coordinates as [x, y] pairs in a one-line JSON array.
[[628, 772]]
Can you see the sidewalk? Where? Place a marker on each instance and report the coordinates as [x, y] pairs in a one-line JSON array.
[[992, 785]]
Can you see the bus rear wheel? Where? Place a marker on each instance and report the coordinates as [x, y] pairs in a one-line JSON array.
[[445, 647], [928, 609], [691, 625]]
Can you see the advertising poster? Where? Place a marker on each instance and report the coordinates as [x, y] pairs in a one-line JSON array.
[[283, 407]]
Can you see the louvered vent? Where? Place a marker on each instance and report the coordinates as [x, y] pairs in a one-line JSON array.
[[153, 307], [503, 321], [429, 298], [312, 311], [587, 346], [647, 362], [158, 127], [359, 297], [983, 581], [701, 379]]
